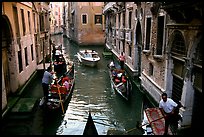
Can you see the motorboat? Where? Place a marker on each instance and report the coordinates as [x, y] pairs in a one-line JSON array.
[[88, 57]]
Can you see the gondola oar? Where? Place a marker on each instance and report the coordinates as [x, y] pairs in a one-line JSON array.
[[60, 99], [138, 126]]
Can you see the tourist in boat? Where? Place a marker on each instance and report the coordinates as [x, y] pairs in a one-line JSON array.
[[64, 78], [46, 81], [122, 60], [55, 84], [170, 110], [66, 84]]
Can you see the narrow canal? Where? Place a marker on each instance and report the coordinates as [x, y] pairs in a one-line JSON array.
[[111, 113]]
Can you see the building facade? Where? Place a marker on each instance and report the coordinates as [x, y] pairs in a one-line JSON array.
[[86, 23], [24, 36], [56, 13], [162, 47]]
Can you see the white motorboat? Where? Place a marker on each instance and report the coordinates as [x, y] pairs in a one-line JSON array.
[[88, 57]]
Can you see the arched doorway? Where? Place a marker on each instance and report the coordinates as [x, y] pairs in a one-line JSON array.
[[6, 42]]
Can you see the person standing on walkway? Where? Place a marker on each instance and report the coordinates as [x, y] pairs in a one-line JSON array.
[[169, 109], [46, 81], [122, 60]]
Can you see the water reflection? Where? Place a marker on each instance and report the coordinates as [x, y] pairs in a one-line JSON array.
[[93, 92]]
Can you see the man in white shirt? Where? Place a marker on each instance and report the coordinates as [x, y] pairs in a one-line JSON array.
[[168, 107]]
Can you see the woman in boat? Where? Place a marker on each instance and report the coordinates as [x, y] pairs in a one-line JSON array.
[[66, 84], [64, 78]]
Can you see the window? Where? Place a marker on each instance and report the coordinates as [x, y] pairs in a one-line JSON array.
[[84, 19], [178, 45], [98, 19], [20, 64], [130, 19], [124, 20], [29, 21], [23, 21], [160, 34], [15, 12], [151, 68], [130, 50], [32, 55], [41, 22], [34, 22], [119, 20], [26, 56], [148, 30]]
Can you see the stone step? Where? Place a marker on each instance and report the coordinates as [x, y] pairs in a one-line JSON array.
[[25, 105]]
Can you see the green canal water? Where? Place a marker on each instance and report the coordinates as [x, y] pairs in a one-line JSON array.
[[92, 92]]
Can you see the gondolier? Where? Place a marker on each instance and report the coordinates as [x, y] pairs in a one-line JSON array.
[[46, 81], [169, 109], [122, 60]]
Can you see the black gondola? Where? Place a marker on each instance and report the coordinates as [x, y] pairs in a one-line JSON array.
[[60, 64], [120, 82], [90, 128]]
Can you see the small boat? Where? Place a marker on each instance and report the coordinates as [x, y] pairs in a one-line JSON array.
[[90, 128], [120, 81], [58, 95], [88, 57]]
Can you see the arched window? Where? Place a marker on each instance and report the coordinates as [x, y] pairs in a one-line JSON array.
[[178, 45]]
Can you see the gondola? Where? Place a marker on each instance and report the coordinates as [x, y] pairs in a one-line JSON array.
[[60, 64], [90, 128], [120, 82], [58, 95]]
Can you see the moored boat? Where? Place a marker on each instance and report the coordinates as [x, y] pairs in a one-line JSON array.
[[90, 128], [120, 82], [88, 57]]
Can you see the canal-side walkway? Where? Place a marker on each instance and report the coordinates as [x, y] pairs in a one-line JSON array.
[[18, 103]]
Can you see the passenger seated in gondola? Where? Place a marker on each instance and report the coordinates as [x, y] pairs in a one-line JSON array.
[[66, 85], [64, 78], [124, 79], [114, 74], [54, 87]]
